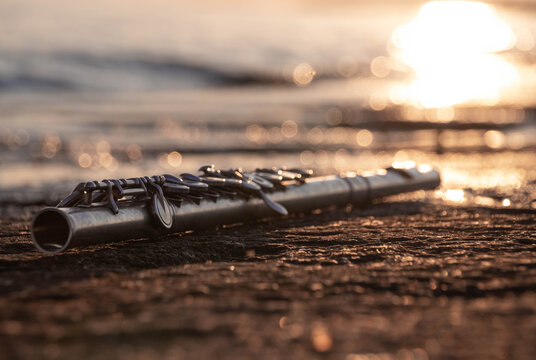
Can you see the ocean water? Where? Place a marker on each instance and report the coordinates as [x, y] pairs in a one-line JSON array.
[[100, 89], [175, 45]]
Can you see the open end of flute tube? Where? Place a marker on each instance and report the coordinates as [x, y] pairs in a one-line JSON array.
[[50, 231]]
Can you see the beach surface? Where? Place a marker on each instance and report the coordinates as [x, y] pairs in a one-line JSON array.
[[91, 92], [404, 279]]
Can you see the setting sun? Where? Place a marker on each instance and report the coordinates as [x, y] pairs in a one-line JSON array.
[[451, 46]]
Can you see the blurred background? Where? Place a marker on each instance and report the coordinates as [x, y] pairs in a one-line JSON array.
[[114, 89]]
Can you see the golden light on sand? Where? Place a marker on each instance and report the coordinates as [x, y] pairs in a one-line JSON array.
[[451, 46], [455, 195], [320, 338], [424, 168], [408, 164]]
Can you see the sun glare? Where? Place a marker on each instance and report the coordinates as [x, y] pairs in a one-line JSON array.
[[451, 46]]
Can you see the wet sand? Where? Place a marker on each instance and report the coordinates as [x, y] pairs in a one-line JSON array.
[[405, 279]]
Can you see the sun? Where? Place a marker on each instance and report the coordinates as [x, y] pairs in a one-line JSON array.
[[452, 47]]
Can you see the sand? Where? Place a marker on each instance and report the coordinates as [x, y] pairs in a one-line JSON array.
[[402, 280]]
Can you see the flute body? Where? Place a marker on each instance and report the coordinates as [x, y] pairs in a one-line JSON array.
[[56, 229]]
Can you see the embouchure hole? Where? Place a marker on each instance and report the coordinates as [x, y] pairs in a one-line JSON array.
[[51, 231]]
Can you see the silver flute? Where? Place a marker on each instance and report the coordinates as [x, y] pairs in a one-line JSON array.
[[121, 209]]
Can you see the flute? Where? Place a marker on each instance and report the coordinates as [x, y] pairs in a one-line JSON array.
[[115, 210]]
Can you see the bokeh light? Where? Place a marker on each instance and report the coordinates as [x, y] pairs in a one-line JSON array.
[[174, 159], [134, 152], [289, 129], [364, 138], [51, 145], [303, 74], [84, 160]]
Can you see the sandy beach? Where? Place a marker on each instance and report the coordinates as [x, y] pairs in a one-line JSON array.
[[95, 91]]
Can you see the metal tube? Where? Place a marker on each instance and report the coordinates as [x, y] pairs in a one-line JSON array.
[[54, 230]]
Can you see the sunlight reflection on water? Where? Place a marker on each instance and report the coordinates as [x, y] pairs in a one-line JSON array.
[[451, 47]]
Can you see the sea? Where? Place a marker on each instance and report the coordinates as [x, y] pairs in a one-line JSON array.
[[114, 89]]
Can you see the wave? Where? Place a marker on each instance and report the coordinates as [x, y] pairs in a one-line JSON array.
[[80, 71], [77, 71]]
